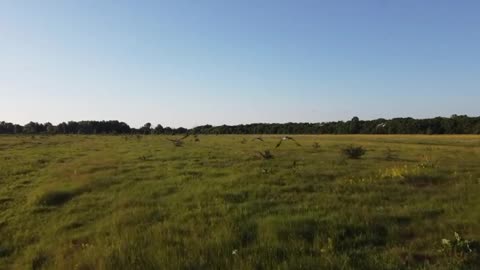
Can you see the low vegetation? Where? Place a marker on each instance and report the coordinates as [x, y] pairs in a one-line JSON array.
[[353, 152], [122, 202]]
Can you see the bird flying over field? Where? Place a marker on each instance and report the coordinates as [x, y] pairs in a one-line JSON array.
[[287, 138], [258, 138], [179, 141]]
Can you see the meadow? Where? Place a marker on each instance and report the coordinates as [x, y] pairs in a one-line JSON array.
[[140, 202]]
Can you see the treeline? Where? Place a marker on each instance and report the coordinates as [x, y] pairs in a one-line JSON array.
[[456, 124]]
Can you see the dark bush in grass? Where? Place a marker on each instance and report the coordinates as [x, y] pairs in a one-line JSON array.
[[55, 197], [464, 254], [353, 152]]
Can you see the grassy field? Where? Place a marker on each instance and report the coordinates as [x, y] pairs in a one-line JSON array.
[[116, 202]]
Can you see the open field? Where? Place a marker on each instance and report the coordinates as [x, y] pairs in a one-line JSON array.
[[116, 202]]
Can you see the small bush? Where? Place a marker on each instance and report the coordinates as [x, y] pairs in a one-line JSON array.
[[353, 152], [463, 253], [458, 246]]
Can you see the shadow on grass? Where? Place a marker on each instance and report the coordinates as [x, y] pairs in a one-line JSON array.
[[56, 197], [350, 237], [236, 197], [423, 180], [39, 261], [5, 252]]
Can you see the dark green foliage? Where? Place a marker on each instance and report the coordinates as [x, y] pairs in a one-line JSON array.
[[146, 129], [353, 152], [159, 129], [456, 124], [465, 253], [354, 125]]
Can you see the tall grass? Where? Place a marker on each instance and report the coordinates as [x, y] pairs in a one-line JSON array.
[[104, 202]]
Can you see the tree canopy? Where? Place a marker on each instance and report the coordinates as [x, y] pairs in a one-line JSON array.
[[456, 124]]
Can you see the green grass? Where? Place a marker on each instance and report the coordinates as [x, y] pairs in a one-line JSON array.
[[116, 202]]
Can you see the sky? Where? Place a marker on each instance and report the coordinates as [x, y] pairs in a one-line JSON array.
[[190, 62]]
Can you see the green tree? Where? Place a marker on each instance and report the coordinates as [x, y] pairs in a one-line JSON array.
[[146, 129], [355, 125], [159, 129]]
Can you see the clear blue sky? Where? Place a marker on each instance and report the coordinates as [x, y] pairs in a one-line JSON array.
[[187, 63]]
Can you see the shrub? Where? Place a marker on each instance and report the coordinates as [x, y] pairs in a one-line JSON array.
[[463, 253], [353, 152], [458, 246]]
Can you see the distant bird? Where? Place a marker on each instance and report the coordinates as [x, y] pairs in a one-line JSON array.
[[287, 138], [195, 136], [258, 138], [178, 142]]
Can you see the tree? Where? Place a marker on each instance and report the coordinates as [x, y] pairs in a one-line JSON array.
[[457, 124], [159, 129], [50, 128], [180, 130], [355, 125], [146, 129], [31, 128], [476, 129]]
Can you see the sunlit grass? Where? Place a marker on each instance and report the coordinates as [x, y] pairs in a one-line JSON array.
[[116, 202]]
